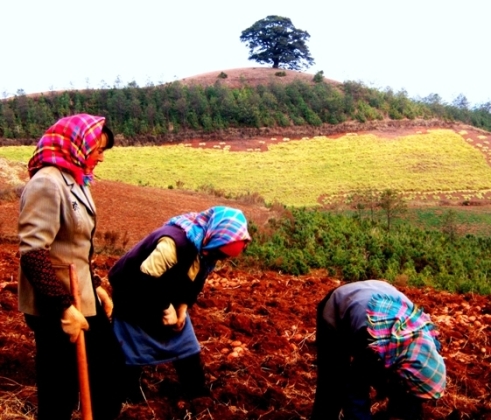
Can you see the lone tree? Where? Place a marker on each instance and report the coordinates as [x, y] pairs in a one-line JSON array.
[[275, 40], [393, 204]]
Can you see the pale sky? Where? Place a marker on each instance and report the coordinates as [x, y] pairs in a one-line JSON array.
[[420, 46]]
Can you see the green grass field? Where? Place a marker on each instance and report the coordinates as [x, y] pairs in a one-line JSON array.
[[297, 173]]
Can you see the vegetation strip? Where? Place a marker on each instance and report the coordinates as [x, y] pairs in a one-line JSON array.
[[298, 173]]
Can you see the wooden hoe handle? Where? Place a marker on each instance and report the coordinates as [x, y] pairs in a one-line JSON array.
[[82, 366]]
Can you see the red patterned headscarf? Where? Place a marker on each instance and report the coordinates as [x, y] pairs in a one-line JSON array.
[[67, 144]]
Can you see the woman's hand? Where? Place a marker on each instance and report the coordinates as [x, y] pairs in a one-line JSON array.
[[169, 317], [73, 322], [106, 301], [182, 311]]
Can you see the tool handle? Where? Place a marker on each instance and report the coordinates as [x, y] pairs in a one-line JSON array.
[[82, 365]]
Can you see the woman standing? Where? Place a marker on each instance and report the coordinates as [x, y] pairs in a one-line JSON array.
[[158, 279], [56, 228]]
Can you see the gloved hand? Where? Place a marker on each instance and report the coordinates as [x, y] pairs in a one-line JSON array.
[[73, 322], [106, 301], [169, 316], [181, 317]]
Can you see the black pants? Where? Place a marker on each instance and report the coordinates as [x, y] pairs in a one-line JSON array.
[[332, 361], [191, 376], [57, 374], [189, 372]]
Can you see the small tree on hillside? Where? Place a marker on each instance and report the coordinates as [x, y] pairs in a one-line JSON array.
[[450, 225], [393, 204], [365, 200], [275, 40]]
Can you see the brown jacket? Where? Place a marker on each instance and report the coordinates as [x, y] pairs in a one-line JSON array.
[[58, 215]]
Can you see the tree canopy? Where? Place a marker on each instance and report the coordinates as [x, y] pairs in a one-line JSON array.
[[275, 40]]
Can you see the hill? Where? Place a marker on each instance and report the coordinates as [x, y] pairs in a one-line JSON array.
[[233, 107], [255, 76]]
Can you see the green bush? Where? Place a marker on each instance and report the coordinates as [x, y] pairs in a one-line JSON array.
[[355, 249], [318, 77]]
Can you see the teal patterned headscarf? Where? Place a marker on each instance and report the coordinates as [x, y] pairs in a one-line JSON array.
[[214, 227], [405, 339]]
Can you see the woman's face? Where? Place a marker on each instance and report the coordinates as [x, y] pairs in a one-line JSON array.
[[97, 155], [214, 254]]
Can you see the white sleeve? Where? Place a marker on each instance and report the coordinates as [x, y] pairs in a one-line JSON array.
[[162, 258]]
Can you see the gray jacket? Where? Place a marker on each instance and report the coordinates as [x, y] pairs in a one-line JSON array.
[[58, 215]]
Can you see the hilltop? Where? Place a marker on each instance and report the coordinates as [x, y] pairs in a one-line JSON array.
[[251, 76]]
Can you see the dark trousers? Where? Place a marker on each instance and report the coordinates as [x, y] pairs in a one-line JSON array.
[[191, 376], [189, 371], [331, 363], [57, 374]]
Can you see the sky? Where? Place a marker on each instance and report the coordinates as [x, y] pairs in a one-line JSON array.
[[421, 47]]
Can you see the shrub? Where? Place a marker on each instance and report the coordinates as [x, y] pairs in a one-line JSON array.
[[251, 198], [318, 77], [282, 119]]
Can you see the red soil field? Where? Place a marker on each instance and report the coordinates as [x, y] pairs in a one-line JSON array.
[[269, 315]]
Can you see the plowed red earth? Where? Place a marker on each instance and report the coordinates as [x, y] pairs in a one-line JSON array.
[[256, 329]]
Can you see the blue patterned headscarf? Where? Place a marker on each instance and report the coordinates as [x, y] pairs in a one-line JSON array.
[[214, 227], [405, 339]]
